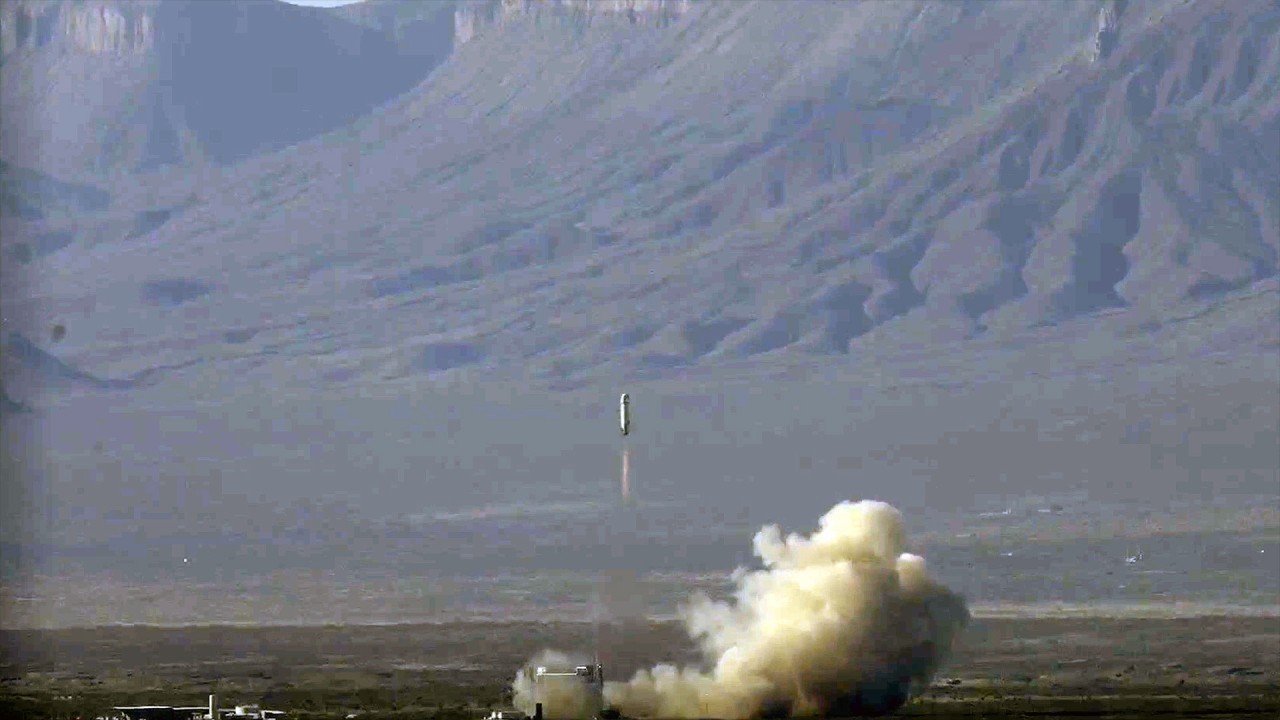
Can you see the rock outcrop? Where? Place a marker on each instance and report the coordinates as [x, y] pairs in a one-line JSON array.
[[93, 26], [472, 16], [1104, 41]]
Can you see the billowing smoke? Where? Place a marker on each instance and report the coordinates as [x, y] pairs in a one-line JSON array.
[[842, 622]]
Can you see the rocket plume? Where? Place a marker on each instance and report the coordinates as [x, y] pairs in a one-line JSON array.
[[842, 622], [626, 473]]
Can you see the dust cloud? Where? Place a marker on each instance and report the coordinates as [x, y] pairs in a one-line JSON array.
[[842, 622]]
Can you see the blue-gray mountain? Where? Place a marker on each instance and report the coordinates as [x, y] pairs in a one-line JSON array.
[[577, 188]]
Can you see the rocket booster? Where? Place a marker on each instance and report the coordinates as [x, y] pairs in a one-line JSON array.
[[624, 414]]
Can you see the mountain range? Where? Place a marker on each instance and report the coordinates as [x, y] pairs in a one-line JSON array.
[[229, 230], [556, 190]]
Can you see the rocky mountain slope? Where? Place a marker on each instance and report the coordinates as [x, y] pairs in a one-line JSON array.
[[575, 192]]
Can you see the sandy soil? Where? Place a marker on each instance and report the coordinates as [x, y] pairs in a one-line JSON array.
[[1224, 666]]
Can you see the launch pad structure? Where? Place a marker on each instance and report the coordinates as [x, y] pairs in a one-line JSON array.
[[548, 681]]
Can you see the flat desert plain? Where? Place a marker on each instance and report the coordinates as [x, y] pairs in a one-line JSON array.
[[1100, 667]]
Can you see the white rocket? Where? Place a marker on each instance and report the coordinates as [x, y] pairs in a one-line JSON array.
[[624, 414]]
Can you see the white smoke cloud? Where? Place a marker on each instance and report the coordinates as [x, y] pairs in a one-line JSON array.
[[842, 622]]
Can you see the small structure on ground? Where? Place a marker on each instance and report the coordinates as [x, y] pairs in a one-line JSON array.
[[570, 693]]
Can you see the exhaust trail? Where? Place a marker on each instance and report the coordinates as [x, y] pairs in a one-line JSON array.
[[840, 622], [626, 473]]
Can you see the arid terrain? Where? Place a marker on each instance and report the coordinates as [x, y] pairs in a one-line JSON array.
[[1096, 667]]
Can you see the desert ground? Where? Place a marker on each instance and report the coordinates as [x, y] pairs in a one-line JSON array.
[[1219, 667]]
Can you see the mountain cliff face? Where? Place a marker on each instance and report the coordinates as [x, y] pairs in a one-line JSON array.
[[93, 26], [101, 87], [1108, 29], [97, 88], [473, 16]]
